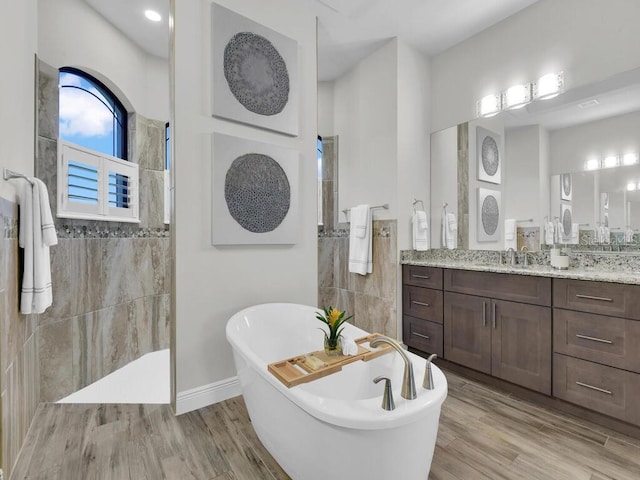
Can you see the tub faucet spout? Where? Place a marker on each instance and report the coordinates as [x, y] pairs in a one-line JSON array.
[[408, 381]]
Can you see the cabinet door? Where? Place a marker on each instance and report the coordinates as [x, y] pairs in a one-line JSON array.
[[467, 331], [521, 344]]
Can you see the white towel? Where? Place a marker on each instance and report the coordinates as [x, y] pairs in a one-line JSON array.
[[510, 238], [420, 230], [360, 247], [349, 346], [575, 233], [606, 235], [559, 232], [37, 234], [451, 231], [549, 233]]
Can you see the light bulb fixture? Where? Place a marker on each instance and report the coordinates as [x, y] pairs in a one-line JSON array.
[[629, 159], [631, 186], [152, 15], [548, 86], [516, 97], [592, 164], [489, 106], [610, 161]]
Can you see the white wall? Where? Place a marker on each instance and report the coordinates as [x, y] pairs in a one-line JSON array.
[[444, 168], [571, 147], [212, 283], [522, 173], [18, 41], [589, 40], [366, 120], [326, 126], [71, 33]]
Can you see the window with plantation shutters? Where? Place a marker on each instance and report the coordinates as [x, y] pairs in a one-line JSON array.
[[96, 186]]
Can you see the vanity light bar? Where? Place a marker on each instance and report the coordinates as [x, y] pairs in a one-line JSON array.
[[548, 86], [629, 159], [489, 105], [611, 161], [517, 96], [631, 186]]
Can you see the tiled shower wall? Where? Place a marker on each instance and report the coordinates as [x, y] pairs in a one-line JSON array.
[[371, 299], [110, 280], [19, 382]]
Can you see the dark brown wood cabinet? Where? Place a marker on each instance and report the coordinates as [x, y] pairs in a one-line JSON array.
[[422, 308], [596, 333], [508, 340]]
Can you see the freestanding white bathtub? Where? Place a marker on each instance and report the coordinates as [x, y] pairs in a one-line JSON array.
[[334, 427]]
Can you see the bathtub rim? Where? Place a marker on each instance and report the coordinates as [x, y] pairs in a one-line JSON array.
[[364, 414]]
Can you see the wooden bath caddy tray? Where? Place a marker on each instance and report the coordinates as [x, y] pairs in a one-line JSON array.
[[306, 368]]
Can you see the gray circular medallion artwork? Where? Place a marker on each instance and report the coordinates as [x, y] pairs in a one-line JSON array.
[[256, 73], [490, 214], [490, 157], [257, 192], [566, 222]]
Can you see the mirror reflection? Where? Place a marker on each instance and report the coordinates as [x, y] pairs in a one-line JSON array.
[[568, 175]]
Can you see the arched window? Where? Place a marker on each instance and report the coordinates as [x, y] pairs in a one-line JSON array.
[[90, 114], [94, 178]]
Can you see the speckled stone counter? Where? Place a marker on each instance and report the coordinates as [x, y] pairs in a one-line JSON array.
[[603, 267]]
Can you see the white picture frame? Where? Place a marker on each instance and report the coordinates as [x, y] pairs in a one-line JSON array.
[[255, 197], [489, 215], [489, 155], [265, 95]]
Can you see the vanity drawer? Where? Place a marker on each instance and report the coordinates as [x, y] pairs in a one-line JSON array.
[[424, 303], [615, 299], [430, 277], [604, 389], [422, 335], [602, 339], [503, 286]]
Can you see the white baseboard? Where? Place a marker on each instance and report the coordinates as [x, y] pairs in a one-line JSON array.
[[205, 395]]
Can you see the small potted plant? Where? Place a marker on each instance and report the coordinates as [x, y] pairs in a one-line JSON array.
[[334, 319]]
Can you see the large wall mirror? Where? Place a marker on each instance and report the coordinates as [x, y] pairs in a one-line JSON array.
[[571, 160]]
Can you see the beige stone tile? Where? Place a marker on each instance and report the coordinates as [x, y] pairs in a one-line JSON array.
[[54, 343], [151, 195], [326, 246], [47, 99], [327, 296], [116, 341], [87, 350], [375, 314]]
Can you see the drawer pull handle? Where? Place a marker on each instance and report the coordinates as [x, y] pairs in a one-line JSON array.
[[421, 303], [586, 385], [426, 337], [591, 297], [594, 339], [426, 277]]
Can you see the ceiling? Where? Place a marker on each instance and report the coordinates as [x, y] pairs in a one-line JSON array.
[[348, 30]]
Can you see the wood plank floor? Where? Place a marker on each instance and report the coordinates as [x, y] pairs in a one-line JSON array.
[[484, 434]]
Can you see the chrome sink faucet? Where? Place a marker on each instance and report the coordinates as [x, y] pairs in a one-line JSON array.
[[512, 256], [408, 382], [524, 250]]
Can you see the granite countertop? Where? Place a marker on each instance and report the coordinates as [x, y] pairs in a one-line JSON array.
[[599, 273]]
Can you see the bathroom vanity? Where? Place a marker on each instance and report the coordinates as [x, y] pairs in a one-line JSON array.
[[570, 336]]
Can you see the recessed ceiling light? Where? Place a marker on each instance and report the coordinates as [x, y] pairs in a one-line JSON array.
[[152, 15]]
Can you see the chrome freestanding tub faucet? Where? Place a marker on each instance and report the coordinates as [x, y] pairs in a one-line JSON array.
[[408, 383], [427, 383]]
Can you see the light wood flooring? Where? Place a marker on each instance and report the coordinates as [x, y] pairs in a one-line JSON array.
[[484, 434]]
